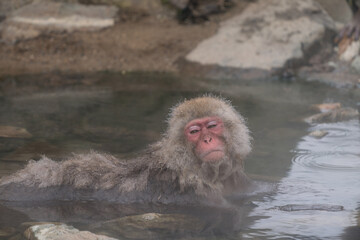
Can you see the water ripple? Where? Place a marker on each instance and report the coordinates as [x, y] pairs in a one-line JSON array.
[[329, 161], [339, 150]]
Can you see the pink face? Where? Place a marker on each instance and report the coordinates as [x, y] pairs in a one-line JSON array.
[[206, 134]]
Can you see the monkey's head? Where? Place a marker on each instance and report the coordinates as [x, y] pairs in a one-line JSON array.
[[205, 145], [211, 127]]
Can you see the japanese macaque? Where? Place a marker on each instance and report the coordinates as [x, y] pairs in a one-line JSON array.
[[199, 159]]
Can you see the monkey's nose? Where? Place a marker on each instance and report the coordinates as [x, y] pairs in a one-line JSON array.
[[207, 139]]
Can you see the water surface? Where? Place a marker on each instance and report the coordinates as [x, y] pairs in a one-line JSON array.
[[122, 113]]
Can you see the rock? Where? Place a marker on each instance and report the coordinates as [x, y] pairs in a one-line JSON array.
[[26, 225], [14, 132], [43, 17], [348, 49], [305, 207], [337, 115], [193, 10], [266, 35], [60, 232], [180, 4], [324, 107], [318, 134], [341, 77], [133, 10], [355, 64], [7, 6], [338, 10], [142, 5], [333, 65], [153, 226]]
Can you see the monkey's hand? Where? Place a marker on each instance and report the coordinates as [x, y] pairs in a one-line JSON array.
[[352, 29]]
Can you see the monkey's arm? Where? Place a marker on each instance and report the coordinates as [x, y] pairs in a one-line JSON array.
[[47, 179], [43, 173], [30, 182]]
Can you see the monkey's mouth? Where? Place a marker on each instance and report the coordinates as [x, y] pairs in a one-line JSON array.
[[213, 155]]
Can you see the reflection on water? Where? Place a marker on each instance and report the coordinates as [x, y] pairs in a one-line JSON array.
[[324, 171], [121, 114]]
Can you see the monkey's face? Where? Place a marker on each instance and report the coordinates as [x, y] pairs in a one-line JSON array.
[[206, 137]]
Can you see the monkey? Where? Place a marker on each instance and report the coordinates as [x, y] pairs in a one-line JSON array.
[[198, 160]]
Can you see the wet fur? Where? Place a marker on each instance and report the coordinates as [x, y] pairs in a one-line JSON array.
[[166, 171]]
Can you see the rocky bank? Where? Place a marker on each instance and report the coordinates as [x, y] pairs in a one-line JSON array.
[[253, 39]]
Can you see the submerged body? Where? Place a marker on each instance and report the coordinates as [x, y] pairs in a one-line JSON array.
[[199, 159]]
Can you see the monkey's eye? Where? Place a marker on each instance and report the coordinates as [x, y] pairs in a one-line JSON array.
[[194, 129], [212, 124]]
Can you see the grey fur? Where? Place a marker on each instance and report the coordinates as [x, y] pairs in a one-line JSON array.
[[166, 171]]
